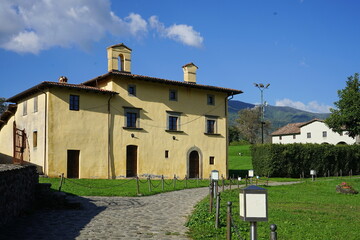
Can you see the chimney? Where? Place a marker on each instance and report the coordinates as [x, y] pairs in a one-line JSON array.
[[63, 79], [190, 73], [119, 58]]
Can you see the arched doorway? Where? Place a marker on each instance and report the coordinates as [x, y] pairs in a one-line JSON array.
[[131, 161], [194, 164]]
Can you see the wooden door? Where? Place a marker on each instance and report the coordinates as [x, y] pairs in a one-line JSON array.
[[73, 163], [194, 164], [131, 161]]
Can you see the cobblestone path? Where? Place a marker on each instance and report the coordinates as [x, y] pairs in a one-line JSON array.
[[158, 217]]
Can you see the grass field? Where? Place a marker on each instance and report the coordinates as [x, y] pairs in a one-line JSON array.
[[119, 187], [240, 157], [310, 210], [239, 160]]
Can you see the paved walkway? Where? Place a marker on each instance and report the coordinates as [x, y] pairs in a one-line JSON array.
[[158, 217]]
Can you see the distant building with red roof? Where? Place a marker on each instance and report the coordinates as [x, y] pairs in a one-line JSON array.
[[313, 131]]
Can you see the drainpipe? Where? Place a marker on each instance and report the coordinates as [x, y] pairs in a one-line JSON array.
[[109, 137], [227, 129], [45, 131]]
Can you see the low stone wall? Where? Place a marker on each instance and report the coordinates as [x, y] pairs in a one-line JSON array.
[[17, 190]]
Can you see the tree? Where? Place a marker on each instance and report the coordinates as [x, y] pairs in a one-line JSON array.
[[3, 105], [347, 115], [249, 125], [234, 134]]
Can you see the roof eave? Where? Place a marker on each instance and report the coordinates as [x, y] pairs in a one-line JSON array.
[[285, 134], [45, 85], [26, 93], [230, 92]]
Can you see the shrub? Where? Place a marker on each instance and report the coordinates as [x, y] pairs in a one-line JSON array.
[[291, 160]]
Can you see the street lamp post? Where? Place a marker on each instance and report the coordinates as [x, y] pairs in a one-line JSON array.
[[262, 87], [253, 203]]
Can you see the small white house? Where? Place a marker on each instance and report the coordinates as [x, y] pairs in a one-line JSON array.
[[314, 131]]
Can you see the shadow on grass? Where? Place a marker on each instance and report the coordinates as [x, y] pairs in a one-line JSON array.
[[52, 223]]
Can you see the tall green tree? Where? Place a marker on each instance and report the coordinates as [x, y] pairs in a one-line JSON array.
[[249, 125], [234, 134], [346, 116], [3, 105]]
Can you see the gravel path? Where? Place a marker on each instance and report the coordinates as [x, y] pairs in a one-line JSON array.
[[158, 217]]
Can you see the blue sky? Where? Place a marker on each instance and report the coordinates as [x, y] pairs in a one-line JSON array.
[[305, 49]]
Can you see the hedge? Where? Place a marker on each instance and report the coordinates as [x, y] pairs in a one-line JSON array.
[[292, 160]]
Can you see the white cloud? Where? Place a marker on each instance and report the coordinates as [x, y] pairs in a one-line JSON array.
[[312, 106], [35, 25], [178, 32], [137, 24], [24, 42]]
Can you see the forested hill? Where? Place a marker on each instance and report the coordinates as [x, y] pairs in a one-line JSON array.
[[278, 116]]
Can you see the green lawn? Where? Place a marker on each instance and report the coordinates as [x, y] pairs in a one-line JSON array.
[[119, 187], [239, 160], [240, 157], [310, 210]]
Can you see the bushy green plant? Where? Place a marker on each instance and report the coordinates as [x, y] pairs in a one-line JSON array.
[[292, 160]]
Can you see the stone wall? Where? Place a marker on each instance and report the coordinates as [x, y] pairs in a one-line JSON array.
[[17, 190]]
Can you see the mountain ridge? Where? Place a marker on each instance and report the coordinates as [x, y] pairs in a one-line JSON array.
[[279, 116]]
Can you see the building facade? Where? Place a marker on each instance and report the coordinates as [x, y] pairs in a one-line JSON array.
[[121, 125], [314, 131]]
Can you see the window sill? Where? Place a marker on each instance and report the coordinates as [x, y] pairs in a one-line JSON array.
[[174, 131], [213, 134], [133, 128]]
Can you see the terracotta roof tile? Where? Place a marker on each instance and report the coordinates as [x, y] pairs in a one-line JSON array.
[[293, 128]]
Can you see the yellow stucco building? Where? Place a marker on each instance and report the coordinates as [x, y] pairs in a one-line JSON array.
[[119, 125]]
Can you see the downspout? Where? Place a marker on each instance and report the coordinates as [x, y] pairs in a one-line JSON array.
[[109, 136], [45, 132], [227, 130]]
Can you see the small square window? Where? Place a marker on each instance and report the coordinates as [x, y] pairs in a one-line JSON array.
[[308, 135], [132, 90], [211, 160], [173, 95], [280, 137], [166, 153], [35, 136], [324, 133], [210, 99], [294, 136], [74, 102]]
